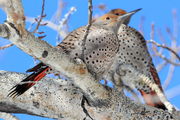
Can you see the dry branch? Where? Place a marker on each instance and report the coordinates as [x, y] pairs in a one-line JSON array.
[[40, 18], [52, 98], [56, 98], [88, 26], [6, 46], [165, 47]]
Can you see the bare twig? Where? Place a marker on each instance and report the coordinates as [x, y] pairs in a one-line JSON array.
[[152, 31], [6, 46], [165, 47], [166, 59], [40, 18], [161, 37], [160, 66], [89, 24], [53, 25], [66, 17], [173, 92], [63, 22], [90, 11], [59, 27], [50, 24], [175, 24], [162, 46], [55, 18], [169, 76]]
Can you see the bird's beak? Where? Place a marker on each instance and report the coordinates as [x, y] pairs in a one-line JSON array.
[[134, 11], [126, 17]]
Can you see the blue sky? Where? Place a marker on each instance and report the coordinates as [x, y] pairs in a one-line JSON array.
[[158, 12]]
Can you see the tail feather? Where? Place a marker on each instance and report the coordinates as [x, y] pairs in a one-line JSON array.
[[155, 76], [152, 99], [29, 81]]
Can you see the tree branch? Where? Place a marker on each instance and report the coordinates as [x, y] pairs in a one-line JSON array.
[[88, 25], [39, 20], [165, 47], [56, 98], [52, 98], [6, 46]]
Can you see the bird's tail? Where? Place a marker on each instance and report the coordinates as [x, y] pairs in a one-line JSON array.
[[152, 99], [39, 71]]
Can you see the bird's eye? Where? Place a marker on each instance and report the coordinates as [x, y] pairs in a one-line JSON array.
[[107, 18], [117, 14]]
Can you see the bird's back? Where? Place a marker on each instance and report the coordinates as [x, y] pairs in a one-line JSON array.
[[100, 48]]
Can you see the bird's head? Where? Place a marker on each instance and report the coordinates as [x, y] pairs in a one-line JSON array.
[[114, 19], [121, 12], [108, 21]]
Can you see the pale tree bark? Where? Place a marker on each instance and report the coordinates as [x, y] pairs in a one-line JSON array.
[[56, 98], [81, 98]]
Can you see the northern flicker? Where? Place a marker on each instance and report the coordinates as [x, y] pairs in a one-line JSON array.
[[100, 49], [133, 51]]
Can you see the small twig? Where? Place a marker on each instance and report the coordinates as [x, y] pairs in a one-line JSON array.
[[6, 46], [170, 34], [89, 24], [161, 37], [40, 18], [32, 21], [173, 92], [152, 31], [56, 17], [53, 25], [175, 24], [157, 52], [50, 24], [169, 76], [173, 37], [165, 47], [90, 11], [162, 46], [61, 32], [66, 17], [161, 66], [166, 59], [152, 35]]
